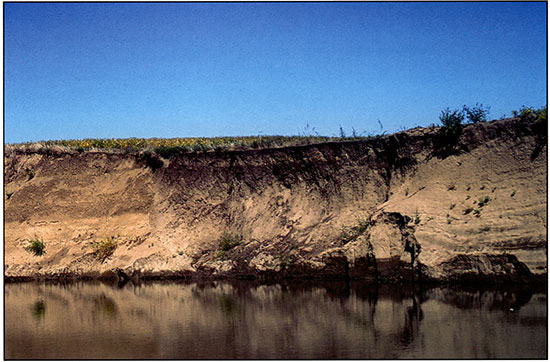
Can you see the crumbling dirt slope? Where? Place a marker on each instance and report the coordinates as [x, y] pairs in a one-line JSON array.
[[351, 208]]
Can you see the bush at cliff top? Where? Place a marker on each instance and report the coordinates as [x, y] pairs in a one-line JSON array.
[[531, 113], [447, 138], [477, 113], [452, 121], [540, 125]]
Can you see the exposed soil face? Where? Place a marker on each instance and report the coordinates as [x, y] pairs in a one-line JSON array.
[[356, 209]]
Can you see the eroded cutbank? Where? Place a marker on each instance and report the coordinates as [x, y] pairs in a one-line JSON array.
[[368, 209]]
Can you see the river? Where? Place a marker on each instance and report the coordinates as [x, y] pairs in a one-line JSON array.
[[248, 320]]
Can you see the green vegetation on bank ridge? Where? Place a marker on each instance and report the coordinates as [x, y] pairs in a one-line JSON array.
[[451, 120], [165, 146]]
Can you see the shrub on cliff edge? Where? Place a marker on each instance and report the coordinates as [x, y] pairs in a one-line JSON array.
[[447, 139], [477, 113], [452, 122]]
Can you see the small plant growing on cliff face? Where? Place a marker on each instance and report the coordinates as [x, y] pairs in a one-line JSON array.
[[29, 173], [286, 260], [104, 248], [228, 241], [36, 246], [416, 218], [513, 193], [483, 201], [352, 233], [347, 235], [362, 224], [477, 212]]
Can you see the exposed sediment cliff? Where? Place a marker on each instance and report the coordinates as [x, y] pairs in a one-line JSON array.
[[355, 209]]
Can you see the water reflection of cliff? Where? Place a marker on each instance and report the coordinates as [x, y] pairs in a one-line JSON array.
[[511, 298], [247, 320]]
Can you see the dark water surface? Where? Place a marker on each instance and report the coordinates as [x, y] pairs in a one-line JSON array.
[[243, 320]]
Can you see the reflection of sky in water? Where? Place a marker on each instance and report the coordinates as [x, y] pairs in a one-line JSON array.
[[244, 320]]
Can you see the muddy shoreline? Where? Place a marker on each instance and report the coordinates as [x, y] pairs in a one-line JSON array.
[[534, 281]]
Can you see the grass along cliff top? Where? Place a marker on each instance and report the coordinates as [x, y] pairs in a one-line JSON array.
[[451, 120]]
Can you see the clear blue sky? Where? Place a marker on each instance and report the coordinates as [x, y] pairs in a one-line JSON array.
[[208, 69]]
